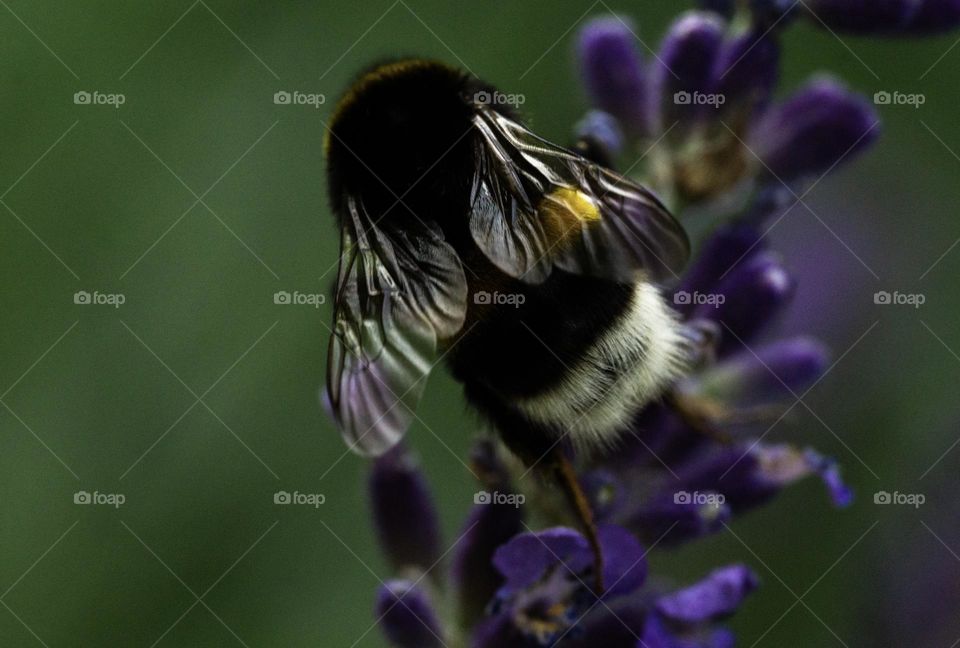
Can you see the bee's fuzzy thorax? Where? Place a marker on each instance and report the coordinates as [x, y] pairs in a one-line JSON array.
[[402, 125]]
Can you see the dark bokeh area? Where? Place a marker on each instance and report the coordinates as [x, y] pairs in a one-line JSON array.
[[195, 400]]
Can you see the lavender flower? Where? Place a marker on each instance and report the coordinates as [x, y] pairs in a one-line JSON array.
[[703, 107], [883, 17], [709, 112]]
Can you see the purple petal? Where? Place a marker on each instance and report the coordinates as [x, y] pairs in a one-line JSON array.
[[820, 126], [613, 71], [656, 634], [840, 493], [403, 511], [525, 559], [624, 566], [783, 464], [682, 76], [715, 597], [406, 616]]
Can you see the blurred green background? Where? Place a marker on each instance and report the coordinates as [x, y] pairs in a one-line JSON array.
[[196, 399]]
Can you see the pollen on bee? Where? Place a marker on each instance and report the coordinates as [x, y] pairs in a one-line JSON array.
[[565, 209]]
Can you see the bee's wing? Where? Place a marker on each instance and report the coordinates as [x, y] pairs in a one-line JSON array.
[[397, 295], [536, 206]]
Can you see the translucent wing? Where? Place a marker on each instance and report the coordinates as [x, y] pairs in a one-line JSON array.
[[536, 206], [398, 295]]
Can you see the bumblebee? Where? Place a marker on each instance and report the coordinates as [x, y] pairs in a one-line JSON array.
[[530, 270]]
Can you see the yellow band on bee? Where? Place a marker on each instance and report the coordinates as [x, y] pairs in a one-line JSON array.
[[564, 211], [567, 202]]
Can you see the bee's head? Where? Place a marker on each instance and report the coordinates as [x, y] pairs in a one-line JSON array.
[[402, 125]]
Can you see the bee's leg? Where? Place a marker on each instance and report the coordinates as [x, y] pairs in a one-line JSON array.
[[567, 478], [701, 414], [538, 447], [706, 415]]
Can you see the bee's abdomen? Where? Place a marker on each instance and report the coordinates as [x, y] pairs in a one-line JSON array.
[[588, 384], [629, 366], [522, 339]]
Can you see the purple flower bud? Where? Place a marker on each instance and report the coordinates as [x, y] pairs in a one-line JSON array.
[[765, 12], [601, 132], [934, 16], [886, 16], [814, 130], [745, 74], [487, 527], [677, 515], [605, 491], [613, 72], [715, 597], [474, 577], [406, 616], [728, 247], [723, 7], [681, 80], [747, 300], [772, 373], [403, 511], [658, 437]]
